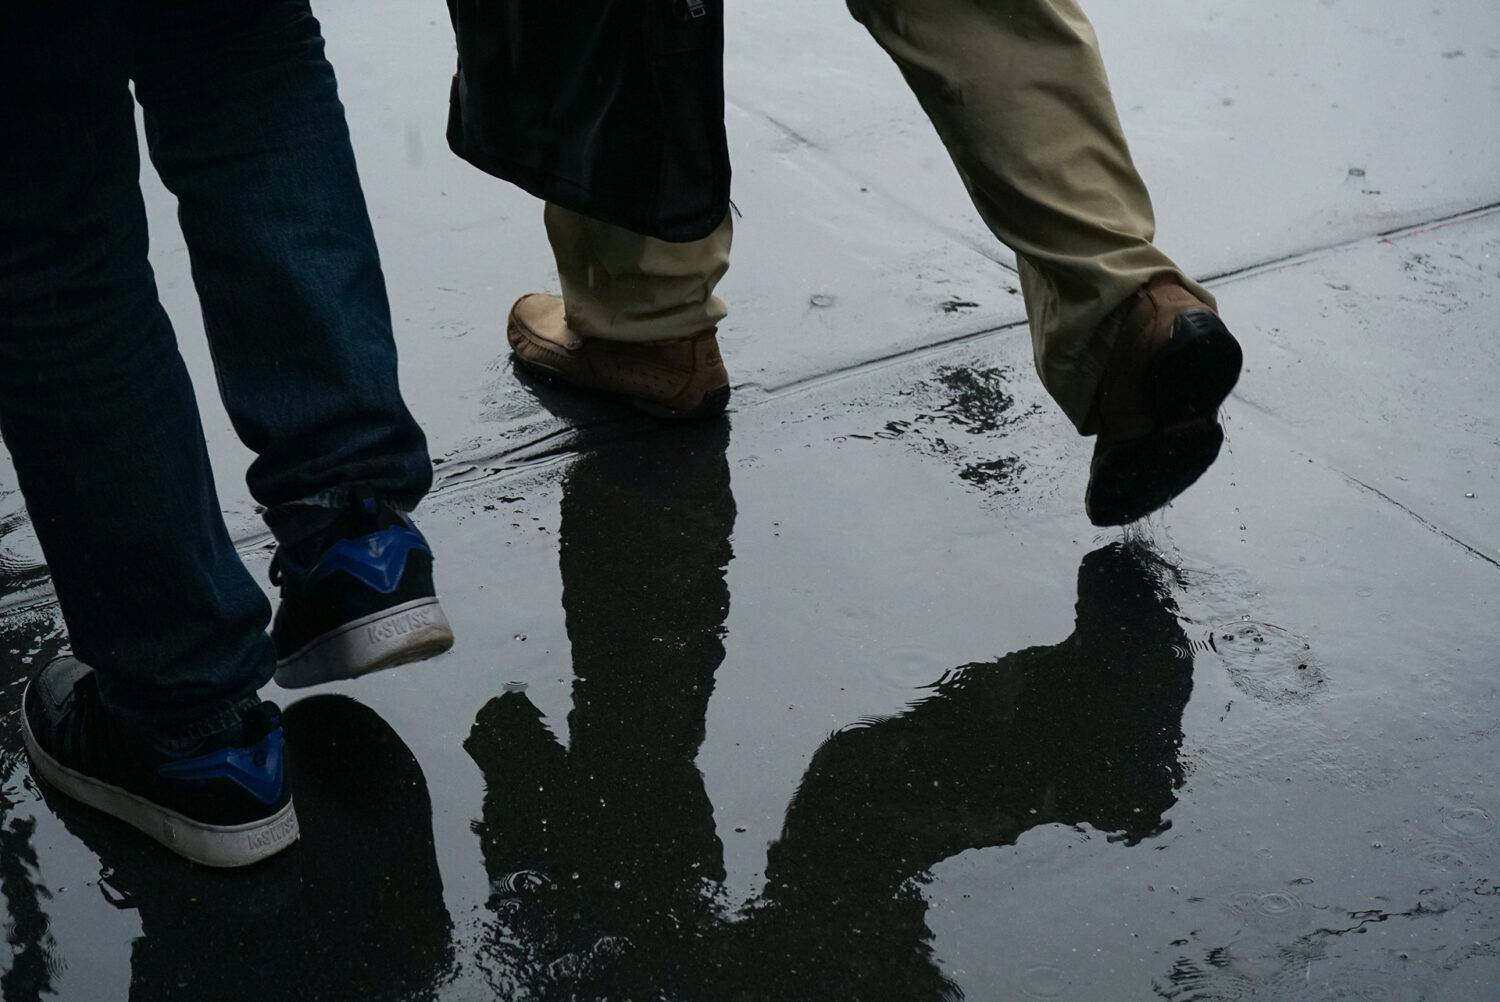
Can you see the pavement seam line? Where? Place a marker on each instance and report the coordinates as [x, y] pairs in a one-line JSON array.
[[1296, 258], [1430, 526], [803, 142], [1231, 275]]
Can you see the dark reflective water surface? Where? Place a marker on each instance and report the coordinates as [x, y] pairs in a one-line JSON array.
[[605, 870], [356, 911], [604, 866], [590, 855], [969, 839]]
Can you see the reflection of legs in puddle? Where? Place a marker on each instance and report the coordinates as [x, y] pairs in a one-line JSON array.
[[604, 858], [34, 961], [356, 912], [1086, 732]]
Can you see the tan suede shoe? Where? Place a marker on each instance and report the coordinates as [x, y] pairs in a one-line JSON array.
[[679, 380], [1157, 409]]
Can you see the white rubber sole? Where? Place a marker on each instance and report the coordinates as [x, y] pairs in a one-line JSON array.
[[221, 846], [414, 631]]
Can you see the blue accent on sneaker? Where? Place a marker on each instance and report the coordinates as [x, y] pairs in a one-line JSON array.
[[258, 769], [377, 561]]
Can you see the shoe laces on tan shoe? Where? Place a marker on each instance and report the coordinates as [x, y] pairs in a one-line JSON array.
[[677, 378]]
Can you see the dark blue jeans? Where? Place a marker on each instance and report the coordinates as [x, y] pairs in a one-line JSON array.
[[245, 127]]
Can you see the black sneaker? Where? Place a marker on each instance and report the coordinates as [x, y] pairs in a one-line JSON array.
[[356, 599], [223, 802]]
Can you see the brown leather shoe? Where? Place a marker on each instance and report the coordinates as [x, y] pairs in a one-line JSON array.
[[679, 380], [1157, 410]]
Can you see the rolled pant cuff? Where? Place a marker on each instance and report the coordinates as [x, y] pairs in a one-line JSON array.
[[181, 731], [299, 520]]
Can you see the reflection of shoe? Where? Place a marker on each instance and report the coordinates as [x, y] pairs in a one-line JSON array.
[[356, 599], [1157, 410], [224, 802], [680, 380], [195, 924], [356, 912], [376, 923], [1122, 583]]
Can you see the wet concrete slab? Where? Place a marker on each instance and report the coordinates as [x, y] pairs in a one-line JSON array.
[[844, 698], [1376, 357], [1261, 129]]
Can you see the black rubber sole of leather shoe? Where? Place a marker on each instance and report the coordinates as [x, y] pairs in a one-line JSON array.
[[1191, 377]]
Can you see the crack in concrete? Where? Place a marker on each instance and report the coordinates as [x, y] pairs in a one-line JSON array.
[[1423, 521], [1430, 526], [1295, 258], [803, 142], [1290, 260]]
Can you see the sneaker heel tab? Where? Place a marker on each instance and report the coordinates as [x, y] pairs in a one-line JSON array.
[[60, 679], [377, 560], [258, 769]]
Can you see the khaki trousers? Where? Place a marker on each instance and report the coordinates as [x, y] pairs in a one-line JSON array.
[[1018, 94]]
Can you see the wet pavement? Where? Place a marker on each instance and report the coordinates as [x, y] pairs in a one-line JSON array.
[[843, 697]]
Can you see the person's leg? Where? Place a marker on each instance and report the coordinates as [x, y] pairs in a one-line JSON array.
[[1018, 93], [637, 317], [96, 406], [163, 731], [245, 126], [1129, 346], [621, 286]]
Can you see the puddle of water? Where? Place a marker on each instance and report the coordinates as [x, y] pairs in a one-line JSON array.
[[1265, 660], [1044, 981], [1469, 822], [1268, 911], [577, 843]]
